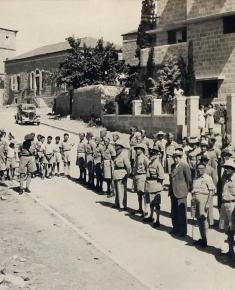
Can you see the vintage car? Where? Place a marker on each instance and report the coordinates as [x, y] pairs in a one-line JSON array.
[[26, 114]]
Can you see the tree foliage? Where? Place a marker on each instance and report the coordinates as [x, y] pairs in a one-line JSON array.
[[170, 76], [190, 79], [90, 66]]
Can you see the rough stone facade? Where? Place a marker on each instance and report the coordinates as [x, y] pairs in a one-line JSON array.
[[214, 50], [129, 48]]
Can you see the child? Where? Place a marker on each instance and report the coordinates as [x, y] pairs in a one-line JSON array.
[[49, 157], [57, 156], [66, 147], [11, 163]]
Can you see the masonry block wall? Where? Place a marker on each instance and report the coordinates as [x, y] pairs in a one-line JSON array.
[[129, 48]]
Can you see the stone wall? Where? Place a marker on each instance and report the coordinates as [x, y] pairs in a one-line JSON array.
[[63, 104], [129, 49], [214, 54], [202, 8], [160, 52]]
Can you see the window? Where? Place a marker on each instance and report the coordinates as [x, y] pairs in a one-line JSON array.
[[208, 89], [177, 36], [15, 83], [229, 24]]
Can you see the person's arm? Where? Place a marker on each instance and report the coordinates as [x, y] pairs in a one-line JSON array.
[[188, 176], [127, 164]]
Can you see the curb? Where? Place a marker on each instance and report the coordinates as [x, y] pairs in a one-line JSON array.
[[59, 128]]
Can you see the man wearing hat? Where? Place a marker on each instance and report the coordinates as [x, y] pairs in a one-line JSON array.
[[159, 143], [108, 155], [81, 158], [171, 145], [3, 157], [66, 149], [98, 153], [203, 189], [194, 144], [27, 164], [154, 186], [227, 213], [122, 169], [180, 186], [140, 167], [89, 148]]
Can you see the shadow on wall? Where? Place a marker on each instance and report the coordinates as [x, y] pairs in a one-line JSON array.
[[196, 8]]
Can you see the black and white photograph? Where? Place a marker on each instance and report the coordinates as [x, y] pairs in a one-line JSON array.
[[117, 144]]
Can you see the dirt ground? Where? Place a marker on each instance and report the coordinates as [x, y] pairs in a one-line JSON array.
[[48, 255]]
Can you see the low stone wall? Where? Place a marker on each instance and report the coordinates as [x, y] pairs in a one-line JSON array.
[[62, 104], [88, 101], [151, 124]]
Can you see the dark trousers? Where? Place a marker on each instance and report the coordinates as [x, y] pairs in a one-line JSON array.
[[179, 214]]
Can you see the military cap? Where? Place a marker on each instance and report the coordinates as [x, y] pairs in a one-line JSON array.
[[161, 133], [29, 137], [178, 152], [121, 143], [193, 140], [140, 146], [229, 164]]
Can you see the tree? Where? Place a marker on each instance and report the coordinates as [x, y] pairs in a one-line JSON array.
[[90, 66], [191, 79], [170, 76], [148, 22]]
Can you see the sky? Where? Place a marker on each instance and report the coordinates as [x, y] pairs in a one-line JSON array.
[[42, 22]]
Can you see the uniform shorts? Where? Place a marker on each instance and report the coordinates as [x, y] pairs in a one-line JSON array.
[[154, 199], [11, 163], [227, 217], [49, 159], [27, 165], [200, 203], [81, 162], [107, 169], [67, 156], [57, 157], [139, 182]]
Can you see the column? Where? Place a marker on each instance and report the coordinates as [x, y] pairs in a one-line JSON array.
[[231, 116], [116, 109], [136, 107], [156, 107], [192, 116], [180, 103]]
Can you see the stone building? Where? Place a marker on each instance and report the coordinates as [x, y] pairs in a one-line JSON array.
[[29, 74], [210, 25], [7, 50]]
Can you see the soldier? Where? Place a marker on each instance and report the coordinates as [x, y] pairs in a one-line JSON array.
[[3, 157], [40, 149], [180, 186], [171, 145], [66, 147], [89, 147], [140, 167], [194, 144], [116, 137], [27, 164], [144, 138], [11, 163], [227, 213], [132, 138], [203, 189], [98, 153], [103, 135], [159, 143], [48, 157], [122, 169], [81, 158], [107, 163], [57, 156], [154, 186], [38, 143], [186, 149]]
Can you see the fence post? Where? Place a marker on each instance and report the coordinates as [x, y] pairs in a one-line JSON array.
[[136, 107], [231, 117], [179, 112], [192, 116], [156, 107]]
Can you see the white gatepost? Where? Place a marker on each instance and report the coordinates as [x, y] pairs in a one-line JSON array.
[[156, 107], [136, 107], [192, 116]]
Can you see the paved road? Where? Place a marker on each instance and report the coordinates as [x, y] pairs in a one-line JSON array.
[[152, 256]]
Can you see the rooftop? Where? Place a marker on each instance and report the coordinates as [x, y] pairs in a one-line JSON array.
[[56, 47], [7, 29]]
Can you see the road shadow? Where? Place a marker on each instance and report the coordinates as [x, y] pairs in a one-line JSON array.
[[112, 205]]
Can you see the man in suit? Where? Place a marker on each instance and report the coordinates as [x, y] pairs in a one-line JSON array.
[[180, 186]]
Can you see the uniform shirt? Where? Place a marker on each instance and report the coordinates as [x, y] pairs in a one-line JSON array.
[[203, 184], [122, 166], [108, 152], [145, 141], [155, 169], [66, 146], [89, 147], [229, 189], [3, 147], [141, 164], [98, 153], [170, 148], [81, 148], [11, 153], [49, 148], [160, 145], [40, 147], [57, 147]]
